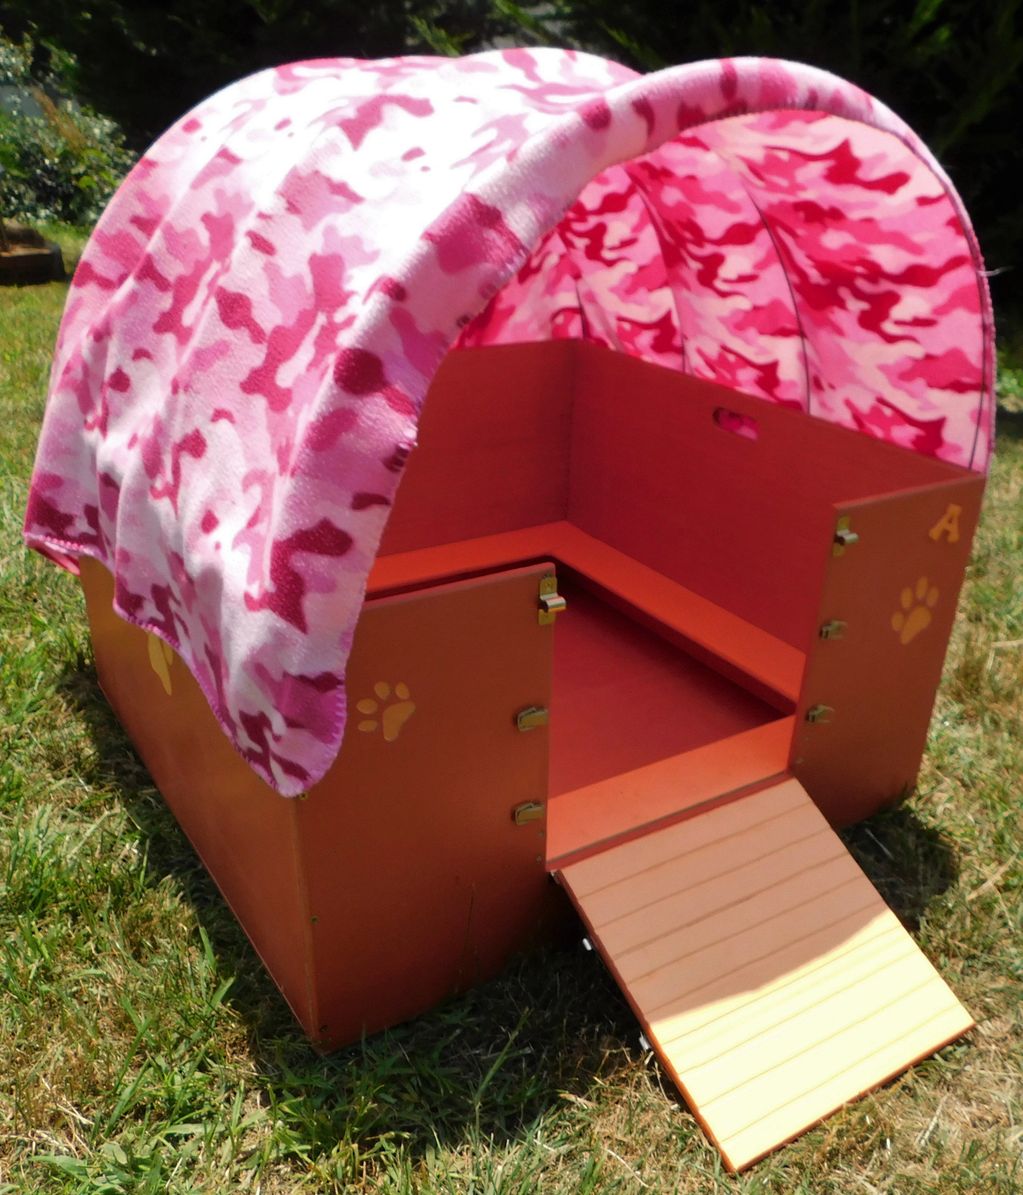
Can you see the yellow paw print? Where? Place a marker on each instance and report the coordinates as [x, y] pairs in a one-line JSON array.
[[385, 714], [915, 615], [160, 657]]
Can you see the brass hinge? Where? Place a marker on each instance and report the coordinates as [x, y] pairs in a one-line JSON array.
[[532, 717], [844, 537], [551, 602], [531, 811], [833, 629], [819, 713]]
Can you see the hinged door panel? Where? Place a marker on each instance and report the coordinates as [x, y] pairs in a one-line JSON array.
[[425, 856], [892, 580]]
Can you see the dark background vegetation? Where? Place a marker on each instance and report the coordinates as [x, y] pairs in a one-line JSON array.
[[951, 68]]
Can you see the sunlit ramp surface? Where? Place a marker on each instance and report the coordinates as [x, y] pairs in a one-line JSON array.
[[768, 974]]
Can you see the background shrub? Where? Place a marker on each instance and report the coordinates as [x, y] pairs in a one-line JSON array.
[[59, 161]]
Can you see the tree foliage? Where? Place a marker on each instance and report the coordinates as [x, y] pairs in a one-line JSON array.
[[952, 68], [59, 160], [146, 63]]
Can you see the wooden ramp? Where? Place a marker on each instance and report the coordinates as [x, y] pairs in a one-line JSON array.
[[768, 974]]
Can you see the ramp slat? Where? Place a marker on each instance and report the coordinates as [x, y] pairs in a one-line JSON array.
[[768, 973]]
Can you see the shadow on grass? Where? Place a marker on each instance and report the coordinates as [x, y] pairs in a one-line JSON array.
[[910, 864], [484, 1065]]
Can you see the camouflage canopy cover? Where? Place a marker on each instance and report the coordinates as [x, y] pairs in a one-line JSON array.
[[257, 317]]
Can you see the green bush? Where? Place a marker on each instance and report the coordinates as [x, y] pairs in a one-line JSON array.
[[59, 161]]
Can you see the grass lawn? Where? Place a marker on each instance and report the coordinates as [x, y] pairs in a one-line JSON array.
[[142, 1048]]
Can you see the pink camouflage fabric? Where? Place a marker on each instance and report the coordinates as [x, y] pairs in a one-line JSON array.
[[256, 320]]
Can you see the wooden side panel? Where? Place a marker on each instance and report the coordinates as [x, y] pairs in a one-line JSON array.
[[718, 637], [896, 591], [420, 883], [493, 447], [401, 877], [736, 519], [768, 974], [242, 830]]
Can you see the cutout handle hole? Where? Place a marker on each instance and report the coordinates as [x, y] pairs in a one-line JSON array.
[[737, 423]]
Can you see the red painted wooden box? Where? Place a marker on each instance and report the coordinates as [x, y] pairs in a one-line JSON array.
[[583, 631], [664, 592]]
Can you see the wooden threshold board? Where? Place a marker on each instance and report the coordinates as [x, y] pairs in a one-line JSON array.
[[768, 974], [588, 820]]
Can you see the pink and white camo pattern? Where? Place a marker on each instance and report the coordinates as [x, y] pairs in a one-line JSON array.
[[258, 315]]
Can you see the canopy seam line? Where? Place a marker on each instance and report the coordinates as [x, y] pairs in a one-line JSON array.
[[788, 281], [987, 397], [576, 276], [656, 226]]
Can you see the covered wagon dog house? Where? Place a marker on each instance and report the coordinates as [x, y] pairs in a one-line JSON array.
[[539, 470]]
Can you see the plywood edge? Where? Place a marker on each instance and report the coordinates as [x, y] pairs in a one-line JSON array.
[[590, 819], [401, 571]]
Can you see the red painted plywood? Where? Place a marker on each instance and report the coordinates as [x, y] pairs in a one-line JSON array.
[[624, 697], [492, 453], [419, 883], [242, 830], [714, 635], [738, 520]]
